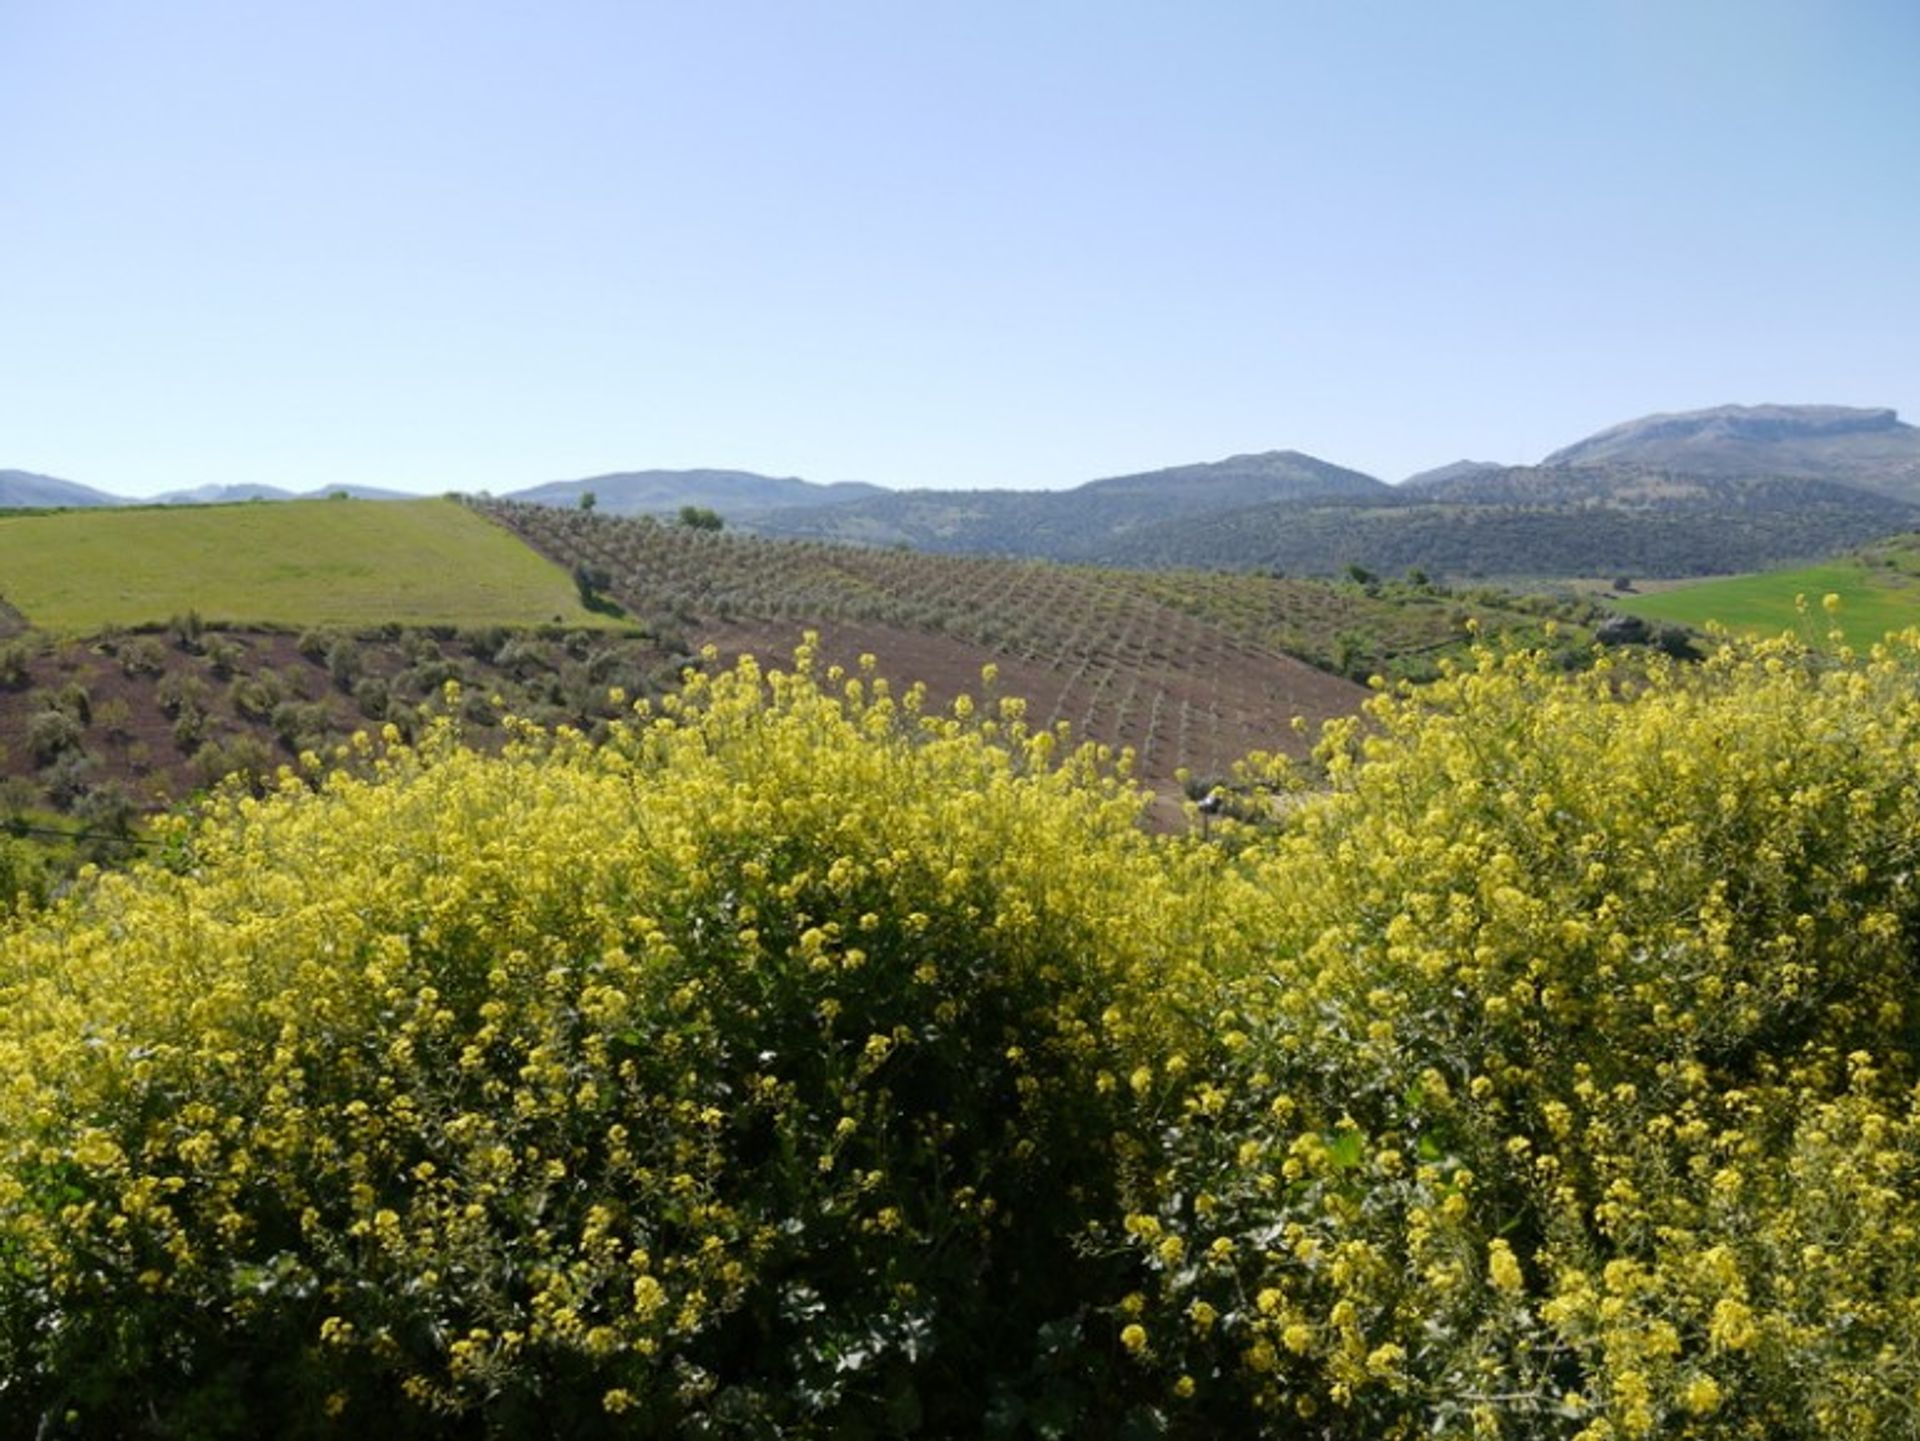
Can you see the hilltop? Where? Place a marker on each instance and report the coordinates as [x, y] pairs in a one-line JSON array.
[[1842, 444], [1453, 471], [1084, 523], [22, 489], [734, 493]]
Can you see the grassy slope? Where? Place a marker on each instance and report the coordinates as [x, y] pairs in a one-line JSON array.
[[1876, 589], [294, 563]]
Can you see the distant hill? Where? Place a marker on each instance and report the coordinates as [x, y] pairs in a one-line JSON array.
[[661, 492], [22, 488], [1238, 480], [1084, 523], [1539, 521], [1449, 472], [1843, 444], [356, 492], [219, 495], [232, 494]]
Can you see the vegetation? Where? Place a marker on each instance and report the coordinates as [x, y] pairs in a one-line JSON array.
[[1537, 522], [1521, 521], [1030, 610], [290, 563], [1081, 524], [95, 734], [1878, 589], [803, 1063], [1188, 669]]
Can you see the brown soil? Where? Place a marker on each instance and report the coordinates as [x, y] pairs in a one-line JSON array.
[[1201, 710]]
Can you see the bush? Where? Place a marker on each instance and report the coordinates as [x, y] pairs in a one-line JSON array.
[[16, 662], [52, 733], [1589, 1015], [23, 875], [144, 655], [754, 1084], [795, 1064]]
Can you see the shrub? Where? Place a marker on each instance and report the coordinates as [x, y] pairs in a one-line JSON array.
[[1589, 1015], [755, 1084], [23, 875], [16, 662], [225, 656], [255, 696], [797, 1064], [143, 655], [52, 733], [345, 663]]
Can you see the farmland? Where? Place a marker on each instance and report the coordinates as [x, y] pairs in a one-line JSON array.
[[154, 651], [1190, 669], [327, 563], [1878, 587]]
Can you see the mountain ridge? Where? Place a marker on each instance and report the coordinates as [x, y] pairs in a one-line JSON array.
[[1870, 447], [635, 492]]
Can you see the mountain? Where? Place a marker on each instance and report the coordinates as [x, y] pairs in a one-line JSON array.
[[661, 492], [355, 492], [20, 488], [1843, 444], [220, 495], [1539, 521], [1449, 472], [1078, 524], [1238, 480]]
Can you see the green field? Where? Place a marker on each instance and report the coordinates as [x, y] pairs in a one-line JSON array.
[[1874, 599], [295, 563]]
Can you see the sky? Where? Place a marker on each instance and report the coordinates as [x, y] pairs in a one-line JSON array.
[[478, 246]]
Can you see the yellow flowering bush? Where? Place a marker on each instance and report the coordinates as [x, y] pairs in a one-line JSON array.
[[798, 1062], [739, 1074], [1573, 1091]]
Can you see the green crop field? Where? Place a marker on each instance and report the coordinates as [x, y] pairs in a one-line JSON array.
[[331, 563], [1874, 599]]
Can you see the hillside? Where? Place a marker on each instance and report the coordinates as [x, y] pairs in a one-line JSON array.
[[1083, 523], [1842, 444], [146, 652], [1877, 588], [22, 489], [96, 730], [300, 563], [1454, 471], [733, 493], [1536, 521], [1190, 669]]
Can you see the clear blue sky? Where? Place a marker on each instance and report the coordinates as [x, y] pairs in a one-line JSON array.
[[477, 245]]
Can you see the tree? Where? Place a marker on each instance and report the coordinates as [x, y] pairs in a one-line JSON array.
[[590, 580], [588, 500], [700, 517]]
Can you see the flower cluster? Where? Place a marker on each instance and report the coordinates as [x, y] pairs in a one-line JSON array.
[[798, 1061], [1571, 1091]]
